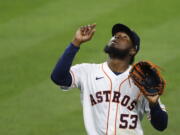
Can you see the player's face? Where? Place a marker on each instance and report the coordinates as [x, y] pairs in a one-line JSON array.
[[121, 41], [120, 46]]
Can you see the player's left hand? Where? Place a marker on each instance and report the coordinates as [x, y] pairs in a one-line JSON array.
[[153, 99]]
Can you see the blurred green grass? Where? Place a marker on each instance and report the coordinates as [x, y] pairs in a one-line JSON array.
[[33, 34]]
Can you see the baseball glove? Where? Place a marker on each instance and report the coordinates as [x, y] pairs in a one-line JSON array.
[[146, 76]]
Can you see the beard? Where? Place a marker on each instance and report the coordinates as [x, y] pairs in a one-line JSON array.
[[116, 53]]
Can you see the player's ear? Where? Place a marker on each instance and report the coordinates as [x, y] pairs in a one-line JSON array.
[[132, 51]]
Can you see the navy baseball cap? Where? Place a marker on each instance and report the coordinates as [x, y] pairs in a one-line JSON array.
[[132, 34]]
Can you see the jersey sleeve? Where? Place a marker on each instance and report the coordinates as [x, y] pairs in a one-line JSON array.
[[78, 73], [147, 108]]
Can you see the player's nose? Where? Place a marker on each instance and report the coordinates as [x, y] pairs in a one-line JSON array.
[[117, 38]]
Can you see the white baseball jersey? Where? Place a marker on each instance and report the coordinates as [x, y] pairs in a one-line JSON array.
[[112, 104]]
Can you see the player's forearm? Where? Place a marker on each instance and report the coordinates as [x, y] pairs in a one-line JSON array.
[[159, 118], [61, 74]]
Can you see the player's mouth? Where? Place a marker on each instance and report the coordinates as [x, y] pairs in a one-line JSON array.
[[115, 44]]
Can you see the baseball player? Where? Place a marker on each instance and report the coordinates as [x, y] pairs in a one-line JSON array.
[[112, 103]]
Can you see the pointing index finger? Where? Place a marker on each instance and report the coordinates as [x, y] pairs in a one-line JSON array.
[[93, 26]]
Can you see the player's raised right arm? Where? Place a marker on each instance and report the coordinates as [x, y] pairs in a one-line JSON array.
[[61, 73]]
